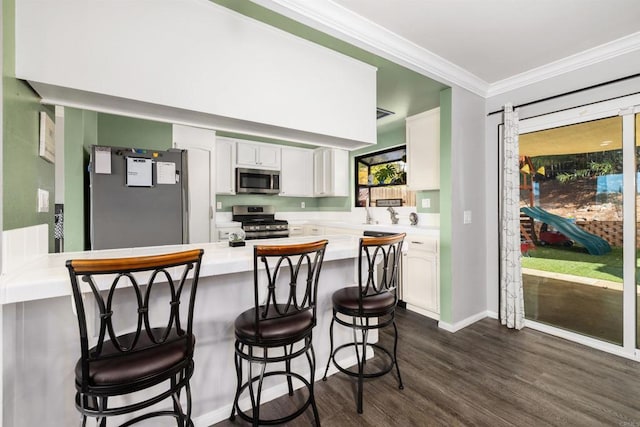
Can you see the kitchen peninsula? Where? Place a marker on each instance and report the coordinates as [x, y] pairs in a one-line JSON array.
[[41, 337]]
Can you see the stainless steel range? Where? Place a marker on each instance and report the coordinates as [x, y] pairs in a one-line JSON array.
[[258, 222]]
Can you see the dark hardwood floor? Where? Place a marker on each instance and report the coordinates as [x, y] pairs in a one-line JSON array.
[[483, 375]]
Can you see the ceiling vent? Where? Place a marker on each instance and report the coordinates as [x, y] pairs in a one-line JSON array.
[[380, 113]]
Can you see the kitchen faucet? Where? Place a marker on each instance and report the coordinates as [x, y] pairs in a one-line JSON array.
[[369, 219], [393, 214]]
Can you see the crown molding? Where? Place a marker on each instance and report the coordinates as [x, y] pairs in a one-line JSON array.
[[344, 24], [604, 52]]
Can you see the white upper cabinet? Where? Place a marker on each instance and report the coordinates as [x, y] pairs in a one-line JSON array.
[[330, 172], [225, 166], [423, 150], [296, 174], [256, 155]]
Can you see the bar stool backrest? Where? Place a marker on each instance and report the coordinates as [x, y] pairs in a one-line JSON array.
[[385, 252], [291, 274], [106, 277]]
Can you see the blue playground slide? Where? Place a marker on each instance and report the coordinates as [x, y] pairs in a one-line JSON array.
[[594, 244]]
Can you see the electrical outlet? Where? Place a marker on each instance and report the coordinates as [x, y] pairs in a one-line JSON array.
[[218, 205], [43, 200], [426, 203], [467, 217], [302, 205]]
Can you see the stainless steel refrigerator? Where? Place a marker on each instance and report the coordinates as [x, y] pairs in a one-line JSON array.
[[138, 197]]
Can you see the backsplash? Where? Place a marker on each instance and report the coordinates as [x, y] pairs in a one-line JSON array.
[[22, 245]]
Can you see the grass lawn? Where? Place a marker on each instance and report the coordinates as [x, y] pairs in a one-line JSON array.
[[577, 262]]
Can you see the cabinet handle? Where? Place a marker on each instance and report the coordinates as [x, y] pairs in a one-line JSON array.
[[417, 243]]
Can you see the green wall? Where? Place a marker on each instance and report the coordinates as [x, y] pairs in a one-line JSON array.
[[446, 203], [80, 129], [23, 169], [131, 132]]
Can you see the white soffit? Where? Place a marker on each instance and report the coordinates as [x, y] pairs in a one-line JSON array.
[[341, 22]]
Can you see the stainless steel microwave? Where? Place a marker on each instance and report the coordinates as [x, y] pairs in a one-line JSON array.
[[257, 181]]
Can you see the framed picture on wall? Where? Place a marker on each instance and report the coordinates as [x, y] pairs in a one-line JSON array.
[[47, 138]]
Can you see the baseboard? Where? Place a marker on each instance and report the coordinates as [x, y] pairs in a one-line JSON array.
[[221, 414], [493, 314], [422, 311], [463, 323]]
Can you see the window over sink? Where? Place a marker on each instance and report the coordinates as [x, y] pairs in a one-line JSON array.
[[381, 179]]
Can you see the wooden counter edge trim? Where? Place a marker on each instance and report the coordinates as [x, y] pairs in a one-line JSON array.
[[301, 248], [108, 265], [384, 240]]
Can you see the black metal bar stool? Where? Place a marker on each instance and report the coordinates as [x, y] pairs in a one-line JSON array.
[[150, 356], [369, 305], [279, 328]]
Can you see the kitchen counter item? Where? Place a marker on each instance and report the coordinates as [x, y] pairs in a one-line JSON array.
[[413, 218]]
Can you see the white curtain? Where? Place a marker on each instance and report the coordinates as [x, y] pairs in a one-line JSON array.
[[511, 293]]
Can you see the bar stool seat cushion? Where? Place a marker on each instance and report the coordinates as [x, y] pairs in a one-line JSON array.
[[275, 329], [346, 300], [143, 363]]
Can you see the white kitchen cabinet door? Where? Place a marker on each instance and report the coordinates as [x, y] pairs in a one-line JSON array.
[[423, 150], [225, 166], [420, 281], [200, 145], [296, 173], [256, 155], [330, 172], [296, 230], [313, 230]]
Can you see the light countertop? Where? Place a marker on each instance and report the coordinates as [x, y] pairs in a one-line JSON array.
[[47, 277]]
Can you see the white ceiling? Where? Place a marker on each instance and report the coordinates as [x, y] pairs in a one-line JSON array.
[[497, 39]]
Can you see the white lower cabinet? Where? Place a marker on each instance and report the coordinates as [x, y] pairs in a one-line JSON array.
[[420, 276], [313, 230], [296, 230]]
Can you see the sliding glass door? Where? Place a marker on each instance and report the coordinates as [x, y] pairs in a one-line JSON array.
[[579, 180], [572, 227]]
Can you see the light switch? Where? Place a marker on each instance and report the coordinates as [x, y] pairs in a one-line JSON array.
[[426, 203], [43, 200], [467, 217]]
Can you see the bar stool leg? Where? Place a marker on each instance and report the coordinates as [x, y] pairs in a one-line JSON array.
[[361, 364], [333, 319], [187, 390], [256, 409], [238, 363], [288, 369], [395, 354], [102, 405], [311, 357]]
